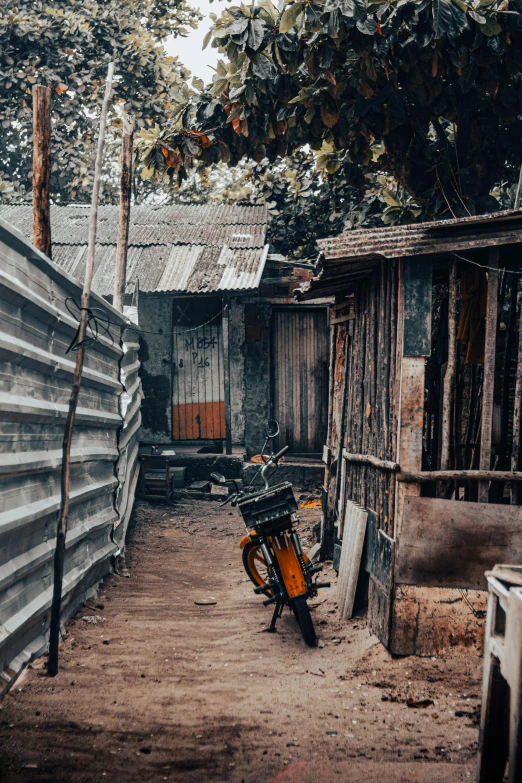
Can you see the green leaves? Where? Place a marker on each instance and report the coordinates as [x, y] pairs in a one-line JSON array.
[[448, 19], [256, 31], [67, 45], [290, 16]]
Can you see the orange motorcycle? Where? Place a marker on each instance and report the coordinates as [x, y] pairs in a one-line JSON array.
[[272, 554]]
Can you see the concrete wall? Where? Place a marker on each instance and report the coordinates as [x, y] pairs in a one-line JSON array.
[[237, 370], [36, 329], [257, 374]]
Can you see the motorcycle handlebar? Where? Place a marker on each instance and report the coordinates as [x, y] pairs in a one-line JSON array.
[[279, 454]]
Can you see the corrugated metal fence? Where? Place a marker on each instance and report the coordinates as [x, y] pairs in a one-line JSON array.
[[37, 325]]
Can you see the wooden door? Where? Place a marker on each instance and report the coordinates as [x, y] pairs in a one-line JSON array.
[[198, 398], [300, 377]]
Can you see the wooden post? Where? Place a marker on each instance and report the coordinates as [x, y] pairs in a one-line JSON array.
[[120, 272], [415, 317], [515, 452], [42, 168], [226, 373], [59, 555], [489, 371]]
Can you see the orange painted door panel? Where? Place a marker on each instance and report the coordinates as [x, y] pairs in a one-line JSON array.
[[198, 407]]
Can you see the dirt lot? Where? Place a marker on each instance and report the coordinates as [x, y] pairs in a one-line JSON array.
[[153, 687]]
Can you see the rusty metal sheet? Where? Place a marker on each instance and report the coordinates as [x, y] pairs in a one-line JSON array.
[[417, 307], [185, 248], [421, 238]]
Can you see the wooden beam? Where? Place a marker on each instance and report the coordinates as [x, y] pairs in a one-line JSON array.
[[489, 370], [415, 476], [120, 272], [367, 459], [42, 168]]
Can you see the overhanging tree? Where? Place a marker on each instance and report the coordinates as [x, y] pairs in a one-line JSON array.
[[429, 92], [66, 44]]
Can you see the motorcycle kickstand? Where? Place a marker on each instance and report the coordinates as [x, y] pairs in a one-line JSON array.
[[278, 611]]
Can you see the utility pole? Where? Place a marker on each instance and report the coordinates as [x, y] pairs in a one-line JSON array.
[[120, 273], [42, 168], [59, 554]]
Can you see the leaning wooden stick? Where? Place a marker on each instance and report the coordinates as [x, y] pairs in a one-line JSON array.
[[120, 273], [59, 555]]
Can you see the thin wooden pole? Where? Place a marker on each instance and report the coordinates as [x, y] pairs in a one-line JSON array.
[[449, 379], [226, 367], [42, 168], [120, 272], [489, 371], [515, 452], [59, 555]]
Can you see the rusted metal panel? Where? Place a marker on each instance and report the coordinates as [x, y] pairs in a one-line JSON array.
[[300, 377], [417, 307], [448, 543], [37, 325]]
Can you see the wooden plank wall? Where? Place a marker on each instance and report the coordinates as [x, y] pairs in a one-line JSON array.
[[370, 415]]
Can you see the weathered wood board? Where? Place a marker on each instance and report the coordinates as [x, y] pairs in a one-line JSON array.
[[351, 555], [447, 543], [378, 562], [378, 553]]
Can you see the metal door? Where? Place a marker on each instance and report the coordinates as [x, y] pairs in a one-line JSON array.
[[300, 377], [198, 399]]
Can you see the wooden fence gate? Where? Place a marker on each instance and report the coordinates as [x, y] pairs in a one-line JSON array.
[[300, 377]]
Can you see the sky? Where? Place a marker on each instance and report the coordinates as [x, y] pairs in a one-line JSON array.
[[189, 49]]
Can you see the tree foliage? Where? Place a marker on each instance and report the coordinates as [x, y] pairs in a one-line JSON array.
[[304, 203], [427, 91], [67, 44]]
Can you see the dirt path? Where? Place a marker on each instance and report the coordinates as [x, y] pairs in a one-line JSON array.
[[157, 688]]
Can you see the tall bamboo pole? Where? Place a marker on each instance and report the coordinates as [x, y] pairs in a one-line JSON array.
[[120, 273], [59, 555], [489, 371], [42, 168]]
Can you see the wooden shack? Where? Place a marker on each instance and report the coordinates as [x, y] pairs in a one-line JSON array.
[[424, 416]]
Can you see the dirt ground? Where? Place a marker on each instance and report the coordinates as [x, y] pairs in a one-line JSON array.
[[153, 687]]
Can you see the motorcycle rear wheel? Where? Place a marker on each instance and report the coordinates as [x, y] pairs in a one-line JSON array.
[[304, 618]]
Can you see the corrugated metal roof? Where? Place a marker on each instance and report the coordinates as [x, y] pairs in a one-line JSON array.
[[185, 248], [425, 238], [350, 255]]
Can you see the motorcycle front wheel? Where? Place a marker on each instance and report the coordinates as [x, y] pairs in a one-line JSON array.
[[255, 566], [304, 618]]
